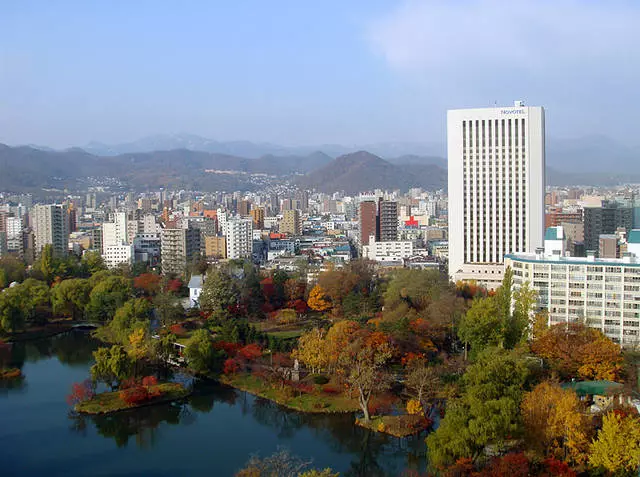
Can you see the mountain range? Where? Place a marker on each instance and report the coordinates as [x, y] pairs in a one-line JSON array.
[[180, 161]]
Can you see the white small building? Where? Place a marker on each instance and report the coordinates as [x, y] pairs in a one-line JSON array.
[[385, 250], [117, 254], [195, 289]]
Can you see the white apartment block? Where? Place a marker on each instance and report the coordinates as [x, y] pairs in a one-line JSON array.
[[239, 233], [384, 250], [51, 227], [115, 232], [118, 254], [603, 293], [496, 188]]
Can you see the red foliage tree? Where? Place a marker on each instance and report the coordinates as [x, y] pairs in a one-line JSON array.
[[513, 465], [230, 349], [149, 381], [178, 329], [268, 289], [80, 392], [250, 352], [149, 283], [299, 305], [555, 467], [331, 389], [462, 468], [231, 366], [173, 286]]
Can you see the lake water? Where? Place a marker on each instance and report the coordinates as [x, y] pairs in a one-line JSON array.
[[213, 434]]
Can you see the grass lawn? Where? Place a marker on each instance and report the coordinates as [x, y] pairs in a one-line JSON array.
[[317, 402], [285, 334], [105, 403], [397, 426]]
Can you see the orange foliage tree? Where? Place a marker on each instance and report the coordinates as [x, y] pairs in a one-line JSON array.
[[575, 350], [318, 299]]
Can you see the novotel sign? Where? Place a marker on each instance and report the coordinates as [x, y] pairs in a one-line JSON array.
[[512, 111]]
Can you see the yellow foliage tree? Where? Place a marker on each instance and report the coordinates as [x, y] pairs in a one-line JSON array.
[[338, 338], [555, 422], [311, 350], [137, 344], [617, 447], [414, 407], [318, 300]]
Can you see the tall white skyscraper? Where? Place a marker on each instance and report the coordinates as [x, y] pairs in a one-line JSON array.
[[496, 188], [239, 238]]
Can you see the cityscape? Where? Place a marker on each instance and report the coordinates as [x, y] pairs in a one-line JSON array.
[[463, 306]]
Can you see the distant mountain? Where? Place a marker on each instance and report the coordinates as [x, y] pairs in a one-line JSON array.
[[420, 160], [593, 154], [362, 171]]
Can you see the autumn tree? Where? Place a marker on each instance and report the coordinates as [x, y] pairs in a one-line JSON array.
[[617, 446], [421, 382], [281, 464], [311, 350], [555, 422], [576, 350], [148, 283], [318, 300], [363, 362]]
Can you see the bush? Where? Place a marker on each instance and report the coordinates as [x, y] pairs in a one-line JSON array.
[[149, 381], [330, 389], [135, 395], [320, 380]]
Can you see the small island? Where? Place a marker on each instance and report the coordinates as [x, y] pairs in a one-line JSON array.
[[11, 373], [138, 396]]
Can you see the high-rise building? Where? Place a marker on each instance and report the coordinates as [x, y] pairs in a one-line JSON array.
[[51, 227], [215, 247], [496, 159], [178, 246], [387, 221], [244, 207], [239, 238], [290, 223], [257, 215], [367, 217], [605, 220], [115, 232]]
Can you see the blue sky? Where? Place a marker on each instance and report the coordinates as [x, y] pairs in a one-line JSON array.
[[304, 72]]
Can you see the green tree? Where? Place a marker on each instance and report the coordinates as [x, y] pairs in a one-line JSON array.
[[92, 262], [219, 292], [11, 270], [107, 296], [12, 317], [46, 264], [199, 352], [35, 296], [70, 297], [112, 366], [524, 302], [168, 308], [133, 315], [163, 349], [488, 413], [481, 326]]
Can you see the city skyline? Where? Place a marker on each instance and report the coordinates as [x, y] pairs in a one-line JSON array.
[[76, 73]]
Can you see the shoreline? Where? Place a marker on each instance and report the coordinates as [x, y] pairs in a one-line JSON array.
[[175, 392], [326, 402]]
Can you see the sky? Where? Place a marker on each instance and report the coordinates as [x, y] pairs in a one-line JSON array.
[[299, 72]]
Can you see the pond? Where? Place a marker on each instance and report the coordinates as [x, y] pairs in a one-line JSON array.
[[214, 433]]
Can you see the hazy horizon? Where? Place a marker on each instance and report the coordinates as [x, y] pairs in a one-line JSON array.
[[301, 74]]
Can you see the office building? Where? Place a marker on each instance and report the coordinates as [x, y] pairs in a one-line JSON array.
[[239, 238], [380, 251], [51, 227], [605, 220], [244, 207], [602, 292], [496, 160], [387, 221], [291, 223], [368, 219]]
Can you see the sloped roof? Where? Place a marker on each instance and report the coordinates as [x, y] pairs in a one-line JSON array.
[[196, 281]]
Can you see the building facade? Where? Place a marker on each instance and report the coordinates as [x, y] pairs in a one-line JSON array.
[[605, 220], [367, 217], [291, 223], [239, 238], [178, 246], [496, 170], [51, 227], [387, 221]]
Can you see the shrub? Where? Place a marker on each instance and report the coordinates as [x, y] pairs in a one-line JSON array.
[[149, 381], [135, 395], [414, 407], [304, 388], [80, 392], [320, 380], [230, 366], [330, 389], [178, 330]]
